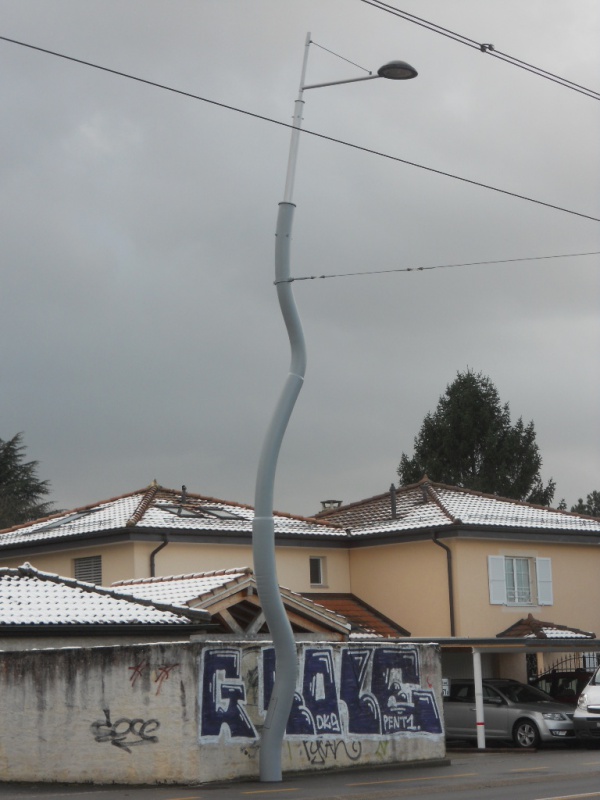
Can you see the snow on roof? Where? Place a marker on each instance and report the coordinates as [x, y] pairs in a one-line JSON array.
[[185, 589], [31, 597], [434, 505], [531, 628], [181, 589], [163, 509], [422, 506], [555, 633]]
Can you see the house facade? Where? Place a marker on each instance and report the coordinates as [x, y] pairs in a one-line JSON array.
[[463, 564], [438, 561]]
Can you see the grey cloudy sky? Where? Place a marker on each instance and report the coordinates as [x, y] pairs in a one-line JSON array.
[[141, 337]]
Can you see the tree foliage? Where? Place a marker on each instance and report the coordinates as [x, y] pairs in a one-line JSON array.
[[469, 441], [21, 491], [591, 505]]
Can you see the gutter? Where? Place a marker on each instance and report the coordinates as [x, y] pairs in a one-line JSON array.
[[445, 547], [153, 554]]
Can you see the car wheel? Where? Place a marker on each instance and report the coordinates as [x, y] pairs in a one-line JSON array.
[[526, 734]]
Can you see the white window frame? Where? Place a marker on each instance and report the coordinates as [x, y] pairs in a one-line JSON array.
[[540, 579], [320, 563]]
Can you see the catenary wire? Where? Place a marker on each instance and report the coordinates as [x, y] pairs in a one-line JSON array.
[[306, 131], [485, 48], [435, 266]]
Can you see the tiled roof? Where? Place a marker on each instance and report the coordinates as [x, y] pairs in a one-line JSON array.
[[363, 618], [200, 589], [532, 628], [181, 589], [31, 597], [434, 505], [159, 508], [420, 507]]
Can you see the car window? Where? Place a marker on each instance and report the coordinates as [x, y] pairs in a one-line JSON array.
[[491, 695], [462, 693], [521, 693]]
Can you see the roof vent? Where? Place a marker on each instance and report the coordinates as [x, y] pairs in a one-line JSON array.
[[183, 499], [328, 504], [393, 501]]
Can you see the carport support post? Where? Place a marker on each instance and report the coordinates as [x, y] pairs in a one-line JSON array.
[[479, 719]]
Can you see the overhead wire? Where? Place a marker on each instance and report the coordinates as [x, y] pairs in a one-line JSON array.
[[489, 49], [306, 131], [435, 266]]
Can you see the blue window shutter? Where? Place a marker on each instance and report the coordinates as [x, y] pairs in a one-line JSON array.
[[543, 568], [497, 580]]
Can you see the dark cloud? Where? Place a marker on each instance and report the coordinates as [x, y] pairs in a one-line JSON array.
[[140, 332]]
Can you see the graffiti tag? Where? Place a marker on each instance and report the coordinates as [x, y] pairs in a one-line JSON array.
[[319, 751], [125, 733], [159, 674]]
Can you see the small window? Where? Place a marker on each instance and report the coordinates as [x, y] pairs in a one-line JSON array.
[[88, 569], [317, 570]]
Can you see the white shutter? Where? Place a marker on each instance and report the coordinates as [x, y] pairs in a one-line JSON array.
[[497, 580], [543, 568]]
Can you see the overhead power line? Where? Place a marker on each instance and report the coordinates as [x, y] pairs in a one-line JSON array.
[[489, 49], [435, 266], [305, 131]]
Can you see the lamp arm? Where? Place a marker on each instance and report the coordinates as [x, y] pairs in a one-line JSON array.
[[339, 83]]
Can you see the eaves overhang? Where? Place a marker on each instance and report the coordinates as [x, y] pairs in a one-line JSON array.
[[109, 629], [462, 531], [347, 539]]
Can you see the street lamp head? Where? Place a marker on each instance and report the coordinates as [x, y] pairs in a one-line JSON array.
[[397, 71]]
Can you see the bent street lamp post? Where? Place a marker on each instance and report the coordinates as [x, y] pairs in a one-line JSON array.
[[263, 526]]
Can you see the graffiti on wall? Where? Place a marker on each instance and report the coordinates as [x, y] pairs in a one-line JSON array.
[[322, 751], [158, 674], [359, 690], [223, 695], [124, 732]]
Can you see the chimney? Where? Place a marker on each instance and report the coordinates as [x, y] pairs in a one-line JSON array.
[[393, 500], [326, 505]]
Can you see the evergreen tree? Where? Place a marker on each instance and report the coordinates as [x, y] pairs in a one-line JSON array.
[[469, 441], [591, 505], [21, 491]]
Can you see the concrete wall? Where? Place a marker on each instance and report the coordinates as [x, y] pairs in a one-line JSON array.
[[193, 712]]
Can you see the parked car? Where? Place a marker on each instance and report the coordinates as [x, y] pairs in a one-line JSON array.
[[512, 711], [564, 686], [587, 713]]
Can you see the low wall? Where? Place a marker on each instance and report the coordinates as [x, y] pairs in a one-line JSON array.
[[192, 712]]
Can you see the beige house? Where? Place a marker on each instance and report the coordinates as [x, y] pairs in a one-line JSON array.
[[438, 561]]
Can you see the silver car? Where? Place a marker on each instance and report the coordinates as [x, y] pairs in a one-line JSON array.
[[512, 711], [587, 713]]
